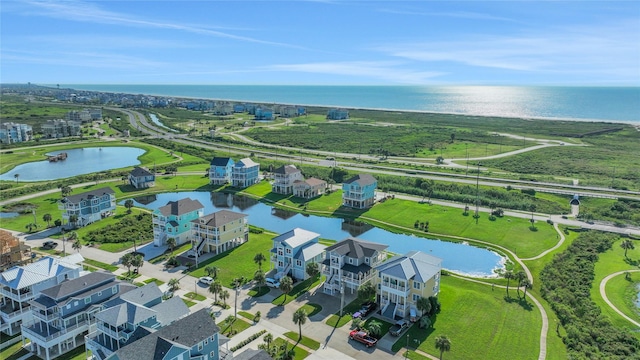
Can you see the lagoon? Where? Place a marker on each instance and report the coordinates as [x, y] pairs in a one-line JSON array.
[[79, 162], [457, 257]]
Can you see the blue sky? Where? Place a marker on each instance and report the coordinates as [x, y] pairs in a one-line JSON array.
[[321, 42]]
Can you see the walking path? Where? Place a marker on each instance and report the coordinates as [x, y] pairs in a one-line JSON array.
[[603, 293], [544, 253]]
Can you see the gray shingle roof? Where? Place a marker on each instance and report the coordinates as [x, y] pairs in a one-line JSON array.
[[296, 237], [286, 169], [220, 218], [362, 179], [180, 207], [140, 171], [125, 313], [414, 265], [74, 199], [79, 285], [252, 354], [356, 248], [221, 161], [170, 310], [184, 333], [143, 295]]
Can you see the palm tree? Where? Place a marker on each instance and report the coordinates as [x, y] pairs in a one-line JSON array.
[[224, 295], [17, 176], [126, 260], [300, 317], [174, 285], [171, 242], [237, 282], [526, 284], [627, 245], [128, 204], [508, 274], [137, 262], [375, 328], [73, 219], [72, 236], [47, 218], [66, 190], [424, 305], [443, 344], [229, 321], [286, 285], [260, 278], [313, 270], [215, 288], [31, 226], [211, 270], [77, 245], [366, 291], [259, 259], [268, 339], [425, 322], [287, 354], [520, 275]]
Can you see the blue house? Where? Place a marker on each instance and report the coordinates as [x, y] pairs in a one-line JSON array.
[[89, 206], [141, 178], [359, 192], [195, 337], [238, 108], [220, 170], [293, 251], [263, 113], [337, 114], [245, 173], [174, 221]]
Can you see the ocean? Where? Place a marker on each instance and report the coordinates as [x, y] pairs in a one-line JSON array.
[[615, 104]]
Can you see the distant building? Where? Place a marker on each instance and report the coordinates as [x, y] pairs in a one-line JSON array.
[[13, 252], [220, 231], [82, 116], [359, 192], [337, 114], [220, 170], [238, 108], [293, 251], [309, 188], [223, 108], [64, 314], [284, 177], [11, 133], [89, 206], [263, 113], [291, 111], [245, 173], [141, 178], [54, 129], [174, 221], [21, 284]]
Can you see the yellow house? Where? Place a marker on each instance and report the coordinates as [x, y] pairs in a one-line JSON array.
[[404, 279], [220, 231]]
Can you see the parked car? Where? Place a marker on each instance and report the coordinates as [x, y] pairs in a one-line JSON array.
[[207, 280], [367, 308], [399, 327], [48, 245], [363, 337], [271, 282]]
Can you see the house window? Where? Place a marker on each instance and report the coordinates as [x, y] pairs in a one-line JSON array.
[[68, 306], [350, 261], [280, 264], [206, 341], [366, 260], [114, 289], [212, 338], [416, 285], [288, 251], [75, 303], [200, 347], [298, 263], [99, 293], [415, 297], [212, 354], [87, 300]]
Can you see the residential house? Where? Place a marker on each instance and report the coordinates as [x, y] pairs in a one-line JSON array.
[[404, 279], [292, 111], [263, 113], [174, 221], [309, 188], [64, 314], [359, 192], [220, 231], [293, 251], [131, 316], [220, 170], [54, 129], [141, 178], [222, 109], [337, 114], [238, 108], [14, 133], [21, 284], [350, 263], [284, 177], [194, 337], [253, 354], [89, 206], [245, 173], [13, 252]]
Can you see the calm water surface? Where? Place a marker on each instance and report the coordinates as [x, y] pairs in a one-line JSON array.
[[78, 162], [456, 257]]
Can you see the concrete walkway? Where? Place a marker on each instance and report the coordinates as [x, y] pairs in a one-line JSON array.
[[603, 293]]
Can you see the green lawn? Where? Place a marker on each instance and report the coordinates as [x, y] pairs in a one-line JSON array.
[[101, 265], [311, 309], [300, 353], [158, 282], [189, 303], [247, 315], [258, 291], [480, 323], [618, 290], [298, 290], [306, 341], [12, 352], [230, 330], [336, 321], [238, 261], [194, 296]]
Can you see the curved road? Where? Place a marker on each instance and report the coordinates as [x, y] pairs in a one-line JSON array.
[[603, 293]]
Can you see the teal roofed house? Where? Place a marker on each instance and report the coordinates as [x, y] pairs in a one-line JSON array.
[[174, 221], [359, 192]]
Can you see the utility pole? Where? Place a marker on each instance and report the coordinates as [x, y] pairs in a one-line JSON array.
[[613, 176], [477, 215], [466, 147], [341, 297]]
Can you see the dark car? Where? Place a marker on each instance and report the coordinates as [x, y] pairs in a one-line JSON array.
[[367, 308], [48, 245]]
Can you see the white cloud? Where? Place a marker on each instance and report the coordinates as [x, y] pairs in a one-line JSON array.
[[454, 14], [101, 60]]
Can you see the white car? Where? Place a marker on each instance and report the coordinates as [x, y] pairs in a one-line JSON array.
[[207, 280], [273, 283]]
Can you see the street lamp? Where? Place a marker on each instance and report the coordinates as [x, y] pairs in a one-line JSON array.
[[406, 354]]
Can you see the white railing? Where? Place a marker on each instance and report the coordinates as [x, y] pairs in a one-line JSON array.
[[108, 331], [16, 313], [395, 286], [94, 345], [17, 297], [45, 317], [30, 330]]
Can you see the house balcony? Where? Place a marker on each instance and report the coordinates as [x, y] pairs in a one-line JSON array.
[[44, 316], [21, 296], [389, 285], [98, 350], [352, 196], [112, 333], [156, 221], [50, 338], [10, 314]]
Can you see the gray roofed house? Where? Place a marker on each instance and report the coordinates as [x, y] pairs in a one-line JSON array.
[[174, 221], [245, 173], [220, 170], [141, 178], [359, 191], [219, 232], [190, 337], [79, 285], [180, 207], [296, 237], [415, 274], [147, 295], [89, 207], [220, 218], [350, 263], [88, 195], [284, 178], [294, 250], [253, 354], [221, 161]]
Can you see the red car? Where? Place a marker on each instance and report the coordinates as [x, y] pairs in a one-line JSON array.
[[363, 337]]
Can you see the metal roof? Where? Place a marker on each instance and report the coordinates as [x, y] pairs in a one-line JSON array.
[[296, 237], [44, 269]]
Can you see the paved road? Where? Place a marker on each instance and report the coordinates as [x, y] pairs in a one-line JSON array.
[[603, 293]]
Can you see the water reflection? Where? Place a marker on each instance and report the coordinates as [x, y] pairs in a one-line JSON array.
[[462, 258]]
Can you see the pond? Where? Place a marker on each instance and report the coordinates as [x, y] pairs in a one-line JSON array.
[[458, 257], [156, 121], [78, 162]]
